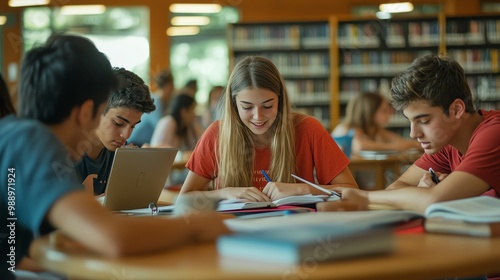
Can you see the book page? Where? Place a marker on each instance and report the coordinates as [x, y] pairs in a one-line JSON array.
[[300, 199], [238, 204], [474, 209], [457, 227]]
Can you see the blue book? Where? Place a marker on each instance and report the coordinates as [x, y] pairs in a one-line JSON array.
[[295, 245]]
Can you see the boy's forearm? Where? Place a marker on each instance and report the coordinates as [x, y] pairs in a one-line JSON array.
[[398, 184], [409, 198]]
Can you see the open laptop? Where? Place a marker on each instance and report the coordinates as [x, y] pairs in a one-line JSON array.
[[137, 177]]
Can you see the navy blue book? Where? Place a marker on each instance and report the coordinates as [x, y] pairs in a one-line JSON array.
[[295, 245]]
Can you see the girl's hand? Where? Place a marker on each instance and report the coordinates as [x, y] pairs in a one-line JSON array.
[[275, 190], [246, 193]]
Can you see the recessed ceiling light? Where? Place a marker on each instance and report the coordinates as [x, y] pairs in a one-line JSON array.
[[401, 7], [83, 9], [23, 3], [183, 31], [199, 20], [3, 20], [195, 8]]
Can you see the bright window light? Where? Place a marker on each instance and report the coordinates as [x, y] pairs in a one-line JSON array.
[[401, 7], [190, 20], [383, 15], [195, 8], [3, 20], [183, 31], [23, 3], [83, 9]]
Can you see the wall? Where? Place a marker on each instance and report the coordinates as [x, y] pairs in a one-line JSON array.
[[251, 11]]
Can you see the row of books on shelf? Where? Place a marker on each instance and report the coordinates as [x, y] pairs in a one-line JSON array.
[[489, 105], [319, 86], [309, 98], [377, 62], [300, 64], [308, 92], [281, 36], [460, 32], [485, 87], [322, 114], [476, 60], [370, 34], [373, 69], [351, 87]]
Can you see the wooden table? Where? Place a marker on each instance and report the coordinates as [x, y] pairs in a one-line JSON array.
[[417, 256], [381, 165]]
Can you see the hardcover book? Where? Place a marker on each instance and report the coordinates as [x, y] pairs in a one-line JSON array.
[[296, 245]]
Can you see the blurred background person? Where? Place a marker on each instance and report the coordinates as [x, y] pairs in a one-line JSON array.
[[180, 130], [368, 114], [213, 105], [190, 88], [162, 96]]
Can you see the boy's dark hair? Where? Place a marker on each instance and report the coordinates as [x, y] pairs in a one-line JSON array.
[[6, 106], [163, 78], [61, 75], [436, 79], [132, 93]]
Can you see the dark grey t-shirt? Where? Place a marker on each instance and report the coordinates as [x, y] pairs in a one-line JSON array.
[[100, 166]]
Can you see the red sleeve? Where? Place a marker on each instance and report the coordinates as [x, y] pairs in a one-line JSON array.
[[483, 156], [202, 161], [317, 151]]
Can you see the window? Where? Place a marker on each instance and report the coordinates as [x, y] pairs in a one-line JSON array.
[[122, 33]]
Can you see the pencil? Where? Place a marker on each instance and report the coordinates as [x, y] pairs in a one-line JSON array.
[[330, 192]]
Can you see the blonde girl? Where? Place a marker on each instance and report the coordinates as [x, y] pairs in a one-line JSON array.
[[258, 131]]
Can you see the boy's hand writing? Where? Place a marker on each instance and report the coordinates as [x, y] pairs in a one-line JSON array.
[[427, 182], [352, 200]]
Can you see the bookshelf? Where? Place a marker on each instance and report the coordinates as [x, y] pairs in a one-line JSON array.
[[474, 41], [325, 63], [300, 51], [369, 52]]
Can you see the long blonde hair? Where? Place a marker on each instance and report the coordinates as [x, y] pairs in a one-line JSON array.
[[236, 149]]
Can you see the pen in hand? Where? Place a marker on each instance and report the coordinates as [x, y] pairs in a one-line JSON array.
[[434, 177], [265, 175]]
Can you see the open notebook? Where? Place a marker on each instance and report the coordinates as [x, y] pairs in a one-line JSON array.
[[237, 204], [137, 177]]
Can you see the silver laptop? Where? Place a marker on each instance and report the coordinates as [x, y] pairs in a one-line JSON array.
[[137, 177]]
